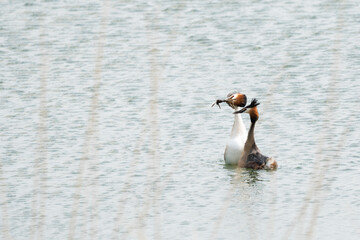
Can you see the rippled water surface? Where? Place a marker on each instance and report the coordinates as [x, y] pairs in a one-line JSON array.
[[107, 130]]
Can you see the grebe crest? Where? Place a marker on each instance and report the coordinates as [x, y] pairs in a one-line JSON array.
[[251, 109]]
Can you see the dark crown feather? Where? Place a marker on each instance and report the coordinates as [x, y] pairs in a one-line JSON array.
[[254, 103]]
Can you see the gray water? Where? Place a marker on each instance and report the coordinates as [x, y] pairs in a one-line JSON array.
[[107, 130]]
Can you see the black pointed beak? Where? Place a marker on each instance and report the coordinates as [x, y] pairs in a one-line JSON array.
[[240, 111]]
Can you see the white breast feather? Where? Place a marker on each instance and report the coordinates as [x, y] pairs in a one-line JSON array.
[[233, 151]]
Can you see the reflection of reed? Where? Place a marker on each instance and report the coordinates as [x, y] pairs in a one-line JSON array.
[[154, 185], [40, 166], [323, 160], [154, 146], [150, 123], [127, 184], [320, 201], [332, 97], [4, 207], [155, 68], [89, 155], [160, 182]]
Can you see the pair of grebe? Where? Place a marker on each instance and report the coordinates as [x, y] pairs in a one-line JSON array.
[[241, 148]]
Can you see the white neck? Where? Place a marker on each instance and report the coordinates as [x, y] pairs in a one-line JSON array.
[[238, 127], [235, 145]]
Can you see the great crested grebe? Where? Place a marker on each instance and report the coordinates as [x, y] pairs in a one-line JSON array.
[[235, 145], [251, 156]]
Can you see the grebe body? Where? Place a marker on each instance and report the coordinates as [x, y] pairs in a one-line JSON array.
[[251, 156], [235, 145]]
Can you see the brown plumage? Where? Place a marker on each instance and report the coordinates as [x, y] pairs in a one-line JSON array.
[[234, 100], [239, 99], [251, 156]]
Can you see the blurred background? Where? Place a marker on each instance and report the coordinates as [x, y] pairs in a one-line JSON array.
[[107, 130]]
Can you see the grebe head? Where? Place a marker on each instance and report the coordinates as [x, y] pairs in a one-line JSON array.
[[236, 99], [233, 99], [251, 109]]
